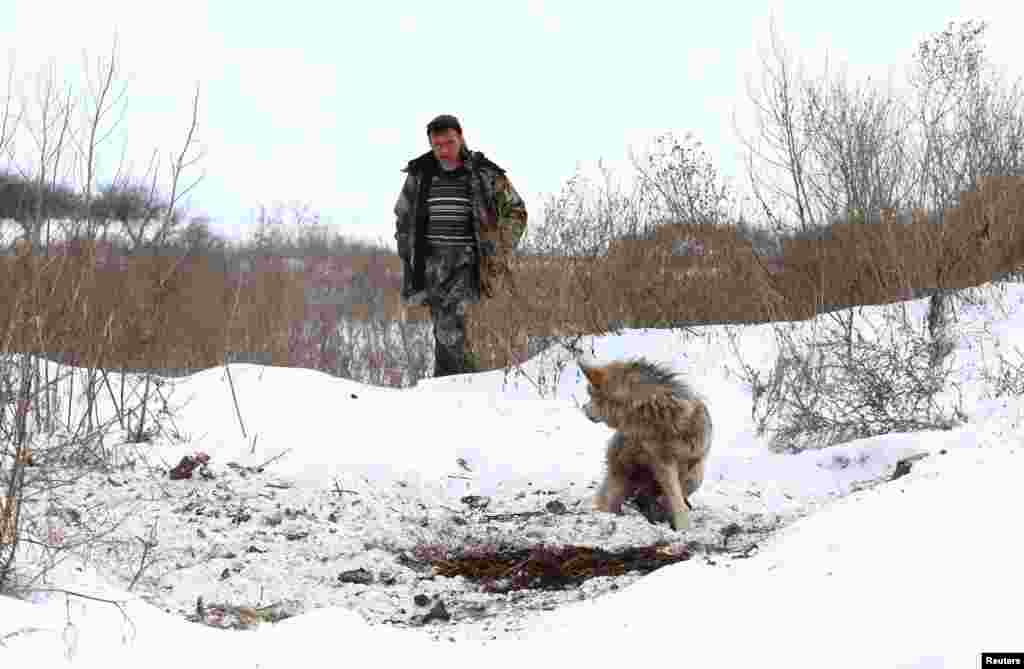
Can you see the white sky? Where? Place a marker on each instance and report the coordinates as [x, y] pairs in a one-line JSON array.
[[324, 102]]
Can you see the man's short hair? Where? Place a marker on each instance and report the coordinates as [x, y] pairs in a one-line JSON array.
[[442, 123]]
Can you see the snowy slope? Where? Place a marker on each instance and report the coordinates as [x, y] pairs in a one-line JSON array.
[[844, 567]]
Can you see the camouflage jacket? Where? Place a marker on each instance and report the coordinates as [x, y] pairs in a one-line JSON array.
[[498, 220]]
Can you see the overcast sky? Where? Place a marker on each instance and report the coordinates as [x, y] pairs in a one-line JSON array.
[[324, 102]]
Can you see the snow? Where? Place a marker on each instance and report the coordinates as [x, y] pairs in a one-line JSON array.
[[834, 564]]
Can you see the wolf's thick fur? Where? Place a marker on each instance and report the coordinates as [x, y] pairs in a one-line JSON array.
[[662, 439]]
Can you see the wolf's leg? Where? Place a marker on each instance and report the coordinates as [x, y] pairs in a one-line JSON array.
[[667, 475], [611, 494]]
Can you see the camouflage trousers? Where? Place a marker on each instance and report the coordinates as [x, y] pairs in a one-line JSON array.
[[452, 282]]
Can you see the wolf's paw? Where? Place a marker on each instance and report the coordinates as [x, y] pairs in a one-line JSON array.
[[681, 521]]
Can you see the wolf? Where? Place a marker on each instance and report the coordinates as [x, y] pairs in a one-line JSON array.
[[662, 435]]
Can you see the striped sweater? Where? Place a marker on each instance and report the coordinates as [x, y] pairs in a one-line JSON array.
[[448, 206]]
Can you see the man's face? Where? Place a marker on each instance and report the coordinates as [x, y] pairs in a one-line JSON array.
[[447, 145]]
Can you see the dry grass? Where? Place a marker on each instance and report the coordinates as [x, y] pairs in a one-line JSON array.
[[641, 283], [94, 314]]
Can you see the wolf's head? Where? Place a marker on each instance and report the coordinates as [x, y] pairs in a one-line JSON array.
[[640, 396], [631, 382]]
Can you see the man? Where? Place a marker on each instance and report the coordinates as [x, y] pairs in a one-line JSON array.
[[457, 220]]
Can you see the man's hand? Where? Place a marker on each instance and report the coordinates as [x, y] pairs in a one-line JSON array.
[[588, 411]]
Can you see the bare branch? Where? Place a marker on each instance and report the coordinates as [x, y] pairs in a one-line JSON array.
[[181, 164], [9, 122], [100, 107]]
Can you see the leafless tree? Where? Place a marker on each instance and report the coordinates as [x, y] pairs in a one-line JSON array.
[[970, 122], [788, 133], [861, 150], [840, 152], [680, 178], [829, 150]]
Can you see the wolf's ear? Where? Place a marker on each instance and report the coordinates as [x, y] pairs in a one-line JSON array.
[[597, 376]]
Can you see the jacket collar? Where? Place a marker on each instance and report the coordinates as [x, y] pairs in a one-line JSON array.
[[427, 161]]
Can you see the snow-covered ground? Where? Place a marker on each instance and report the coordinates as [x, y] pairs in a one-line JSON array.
[[808, 560]]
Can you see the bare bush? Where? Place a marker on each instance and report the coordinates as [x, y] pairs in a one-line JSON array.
[[648, 242], [827, 387], [51, 438], [1007, 379], [556, 281], [583, 217]]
